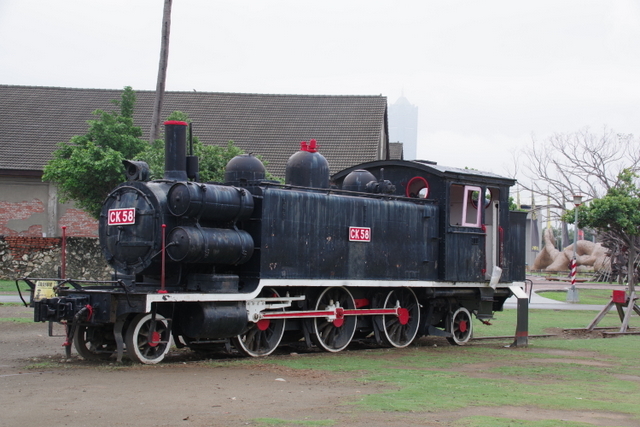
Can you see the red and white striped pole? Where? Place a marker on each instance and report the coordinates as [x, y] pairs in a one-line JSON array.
[[572, 296]]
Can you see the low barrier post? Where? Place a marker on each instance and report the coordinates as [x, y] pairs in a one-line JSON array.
[[522, 324]]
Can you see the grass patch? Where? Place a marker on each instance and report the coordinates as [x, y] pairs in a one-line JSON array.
[[581, 375], [9, 286], [17, 319], [228, 363], [269, 422], [420, 376], [483, 421], [565, 277], [622, 350], [542, 321], [585, 296], [411, 388], [42, 365], [551, 372]]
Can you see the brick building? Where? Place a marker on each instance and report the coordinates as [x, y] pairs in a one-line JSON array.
[[349, 130]]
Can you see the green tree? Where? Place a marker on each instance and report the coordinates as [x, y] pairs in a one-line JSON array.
[[86, 168], [212, 158], [617, 216]]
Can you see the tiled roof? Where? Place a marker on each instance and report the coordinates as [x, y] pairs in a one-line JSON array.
[[349, 129]]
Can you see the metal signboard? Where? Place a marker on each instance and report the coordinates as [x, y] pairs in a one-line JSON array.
[[121, 216], [359, 234]]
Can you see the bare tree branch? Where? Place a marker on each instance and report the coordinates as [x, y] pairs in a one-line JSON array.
[[581, 162]]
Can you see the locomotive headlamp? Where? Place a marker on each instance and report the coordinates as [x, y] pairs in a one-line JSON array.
[[136, 171]]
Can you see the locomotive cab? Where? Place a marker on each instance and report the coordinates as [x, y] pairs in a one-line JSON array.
[[474, 220]]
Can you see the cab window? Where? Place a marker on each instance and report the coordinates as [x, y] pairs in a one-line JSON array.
[[463, 206], [417, 187]]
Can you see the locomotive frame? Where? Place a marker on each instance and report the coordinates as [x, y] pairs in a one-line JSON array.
[[385, 251]]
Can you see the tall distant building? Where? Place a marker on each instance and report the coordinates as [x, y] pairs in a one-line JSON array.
[[403, 126]]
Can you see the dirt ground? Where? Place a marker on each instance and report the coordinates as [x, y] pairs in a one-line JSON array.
[[188, 390]]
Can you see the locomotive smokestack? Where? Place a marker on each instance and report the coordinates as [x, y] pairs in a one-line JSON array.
[[175, 150]]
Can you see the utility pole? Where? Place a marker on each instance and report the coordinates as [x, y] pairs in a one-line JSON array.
[[162, 72]]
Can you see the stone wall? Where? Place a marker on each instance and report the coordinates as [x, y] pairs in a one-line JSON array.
[[41, 257]]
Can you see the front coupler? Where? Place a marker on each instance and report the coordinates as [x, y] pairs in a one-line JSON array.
[[59, 309]]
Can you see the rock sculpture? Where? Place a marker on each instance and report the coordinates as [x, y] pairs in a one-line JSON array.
[[588, 254]]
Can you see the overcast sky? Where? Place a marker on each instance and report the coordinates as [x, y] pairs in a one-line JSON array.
[[485, 75]]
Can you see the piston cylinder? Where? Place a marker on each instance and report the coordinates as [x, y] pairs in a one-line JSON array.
[[212, 319], [210, 202], [209, 245]]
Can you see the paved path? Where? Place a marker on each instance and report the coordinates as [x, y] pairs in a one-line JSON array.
[[12, 298], [538, 302], [540, 283]]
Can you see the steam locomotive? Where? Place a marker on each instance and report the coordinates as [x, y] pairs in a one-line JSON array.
[[385, 251]]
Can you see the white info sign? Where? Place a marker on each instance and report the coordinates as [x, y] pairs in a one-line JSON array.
[[121, 216]]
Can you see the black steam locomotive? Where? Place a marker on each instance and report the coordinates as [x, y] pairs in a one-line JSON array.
[[385, 251]]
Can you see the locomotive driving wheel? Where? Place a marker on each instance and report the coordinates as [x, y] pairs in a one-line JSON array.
[[94, 342], [460, 326], [146, 344], [263, 337], [400, 331], [334, 335]]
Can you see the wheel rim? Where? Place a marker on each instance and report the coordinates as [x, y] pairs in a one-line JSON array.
[[400, 331], [94, 342], [461, 327], [145, 346], [334, 336], [261, 338]]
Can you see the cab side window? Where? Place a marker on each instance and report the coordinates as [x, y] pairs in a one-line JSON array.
[[463, 208]]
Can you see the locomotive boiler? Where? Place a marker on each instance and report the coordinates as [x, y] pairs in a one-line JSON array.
[[385, 251]]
